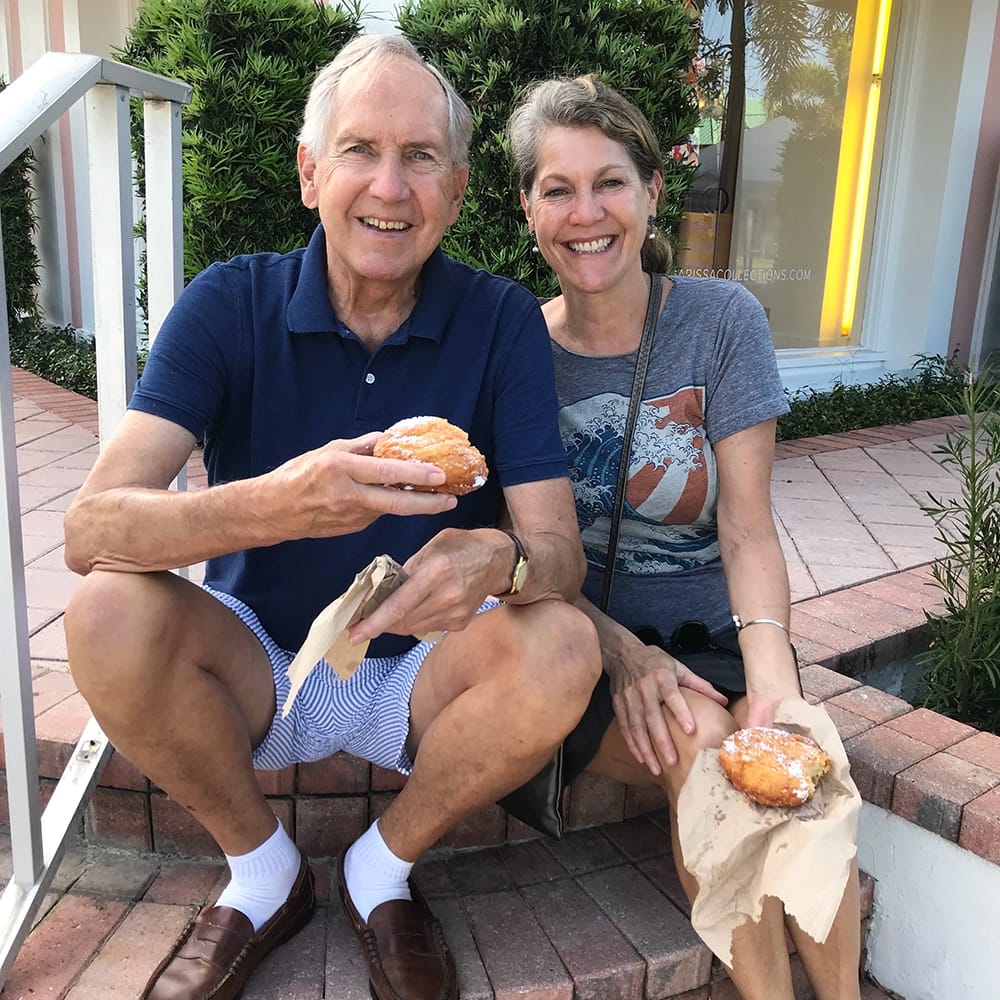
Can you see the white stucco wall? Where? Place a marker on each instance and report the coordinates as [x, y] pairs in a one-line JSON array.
[[935, 113], [935, 107], [936, 921]]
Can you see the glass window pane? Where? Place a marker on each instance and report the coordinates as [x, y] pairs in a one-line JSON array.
[[785, 210]]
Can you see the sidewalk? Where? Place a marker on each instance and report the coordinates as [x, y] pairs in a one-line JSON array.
[[847, 509]]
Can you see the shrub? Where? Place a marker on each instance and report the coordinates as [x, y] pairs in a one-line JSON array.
[[20, 260], [934, 391], [491, 50], [251, 63], [962, 665]]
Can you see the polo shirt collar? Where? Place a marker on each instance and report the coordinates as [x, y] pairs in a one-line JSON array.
[[310, 310]]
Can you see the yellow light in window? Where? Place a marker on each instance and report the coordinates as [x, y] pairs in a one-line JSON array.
[[860, 209], [854, 169]]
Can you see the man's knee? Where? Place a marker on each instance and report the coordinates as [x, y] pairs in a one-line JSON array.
[[110, 620], [561, 656]]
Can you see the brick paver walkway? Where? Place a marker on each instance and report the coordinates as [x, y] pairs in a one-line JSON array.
[[847, 510]]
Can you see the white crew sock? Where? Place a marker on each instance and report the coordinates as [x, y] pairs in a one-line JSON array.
[[373, 873], [261, 880]]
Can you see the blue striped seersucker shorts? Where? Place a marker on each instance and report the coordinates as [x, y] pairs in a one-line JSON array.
[[367, 716]]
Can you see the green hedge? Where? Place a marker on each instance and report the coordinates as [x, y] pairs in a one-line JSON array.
[[491, 50], [251, 63], [20, 260]]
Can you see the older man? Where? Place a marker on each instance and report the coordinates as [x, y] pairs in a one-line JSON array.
[[287, 366]]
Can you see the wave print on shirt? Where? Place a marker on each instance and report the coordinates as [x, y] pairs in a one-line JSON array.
[[671, 480]]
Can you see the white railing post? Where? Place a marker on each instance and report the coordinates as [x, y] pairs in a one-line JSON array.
[[164, 209], [164, 206], [32, 102], [114, 258], [15, 675]]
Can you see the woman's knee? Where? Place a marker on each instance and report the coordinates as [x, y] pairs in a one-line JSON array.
[[713, 724]]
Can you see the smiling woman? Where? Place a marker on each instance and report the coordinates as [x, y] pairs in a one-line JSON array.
[[677, 513]]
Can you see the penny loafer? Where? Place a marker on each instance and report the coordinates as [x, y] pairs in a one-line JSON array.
[[214, 958], [404, 948]]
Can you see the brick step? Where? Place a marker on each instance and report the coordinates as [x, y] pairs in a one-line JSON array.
[[599, 914]]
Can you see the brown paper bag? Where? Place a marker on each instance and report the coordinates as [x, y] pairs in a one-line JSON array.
[[740, 851], [327, 638]]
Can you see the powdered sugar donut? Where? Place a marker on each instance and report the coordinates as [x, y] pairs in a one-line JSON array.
[[772, 766], [438, 442]]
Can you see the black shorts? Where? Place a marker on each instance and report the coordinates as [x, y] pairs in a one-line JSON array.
[[721, 666]]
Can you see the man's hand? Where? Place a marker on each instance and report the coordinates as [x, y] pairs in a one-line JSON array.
[[340, 488], [447, 581], [646, 682]]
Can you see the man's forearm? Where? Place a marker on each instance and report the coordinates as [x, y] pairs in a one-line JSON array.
[[139, 530]]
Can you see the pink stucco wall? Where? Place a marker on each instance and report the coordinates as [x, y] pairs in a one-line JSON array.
[[984, 179]]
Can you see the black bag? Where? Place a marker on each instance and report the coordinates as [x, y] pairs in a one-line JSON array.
[[538, 802]]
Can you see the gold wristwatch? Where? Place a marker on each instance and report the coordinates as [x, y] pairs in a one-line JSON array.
[[520, 565]]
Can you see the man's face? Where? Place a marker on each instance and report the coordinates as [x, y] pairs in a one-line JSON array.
[[385, 186]]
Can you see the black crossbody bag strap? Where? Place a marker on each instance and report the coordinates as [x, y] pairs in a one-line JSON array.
[[638, 383]]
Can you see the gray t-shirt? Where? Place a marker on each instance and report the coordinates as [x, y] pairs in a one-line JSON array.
[[712, 372]]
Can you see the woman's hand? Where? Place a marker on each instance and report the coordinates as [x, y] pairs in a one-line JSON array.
[[646, 682], [764, 697]]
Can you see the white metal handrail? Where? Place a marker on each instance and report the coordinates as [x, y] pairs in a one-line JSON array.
[[28, 106]]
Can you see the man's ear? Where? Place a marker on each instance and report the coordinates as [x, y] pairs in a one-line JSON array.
[[460, 175], [307, 177]]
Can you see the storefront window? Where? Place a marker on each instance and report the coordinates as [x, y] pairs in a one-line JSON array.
[[786, 209]]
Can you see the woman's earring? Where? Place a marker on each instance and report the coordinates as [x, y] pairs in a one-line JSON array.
[[651, 235], [534, 241]]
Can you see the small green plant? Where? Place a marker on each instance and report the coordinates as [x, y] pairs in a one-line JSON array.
[[935, 390], [250, 63], [491, 50], [962, 666]]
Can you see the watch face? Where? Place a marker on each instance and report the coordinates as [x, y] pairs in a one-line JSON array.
[[520, 572]]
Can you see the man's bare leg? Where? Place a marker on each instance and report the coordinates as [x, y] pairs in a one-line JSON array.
[[489, 707], [183, 689], [760, 966]]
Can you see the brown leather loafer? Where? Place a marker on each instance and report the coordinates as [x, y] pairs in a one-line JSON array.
[[404, 948], [214, 958]]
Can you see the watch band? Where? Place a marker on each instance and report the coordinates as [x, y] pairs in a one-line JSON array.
[[520, 564]]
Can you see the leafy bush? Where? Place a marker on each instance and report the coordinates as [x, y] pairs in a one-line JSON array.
[[934, 391], [20, 260], [491, 50], [251, 63], [59, 355], [962, 666]]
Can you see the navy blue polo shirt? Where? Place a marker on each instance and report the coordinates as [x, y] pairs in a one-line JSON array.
[[253, 360]]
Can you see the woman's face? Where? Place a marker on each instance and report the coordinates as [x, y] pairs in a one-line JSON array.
[[588, 208]]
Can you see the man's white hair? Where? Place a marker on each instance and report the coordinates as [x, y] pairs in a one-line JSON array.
[[376, 49]]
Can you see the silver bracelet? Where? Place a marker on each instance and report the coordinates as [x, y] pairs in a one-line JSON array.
[[740, 624]]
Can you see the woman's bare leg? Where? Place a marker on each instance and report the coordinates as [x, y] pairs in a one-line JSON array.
[[760, 966], [833, 966]]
